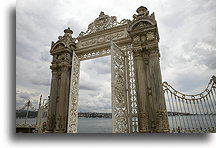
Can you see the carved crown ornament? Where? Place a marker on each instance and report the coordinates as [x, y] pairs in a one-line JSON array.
[[143, 28], [142, 19], [142, 11], [65, 41], [103, 22]]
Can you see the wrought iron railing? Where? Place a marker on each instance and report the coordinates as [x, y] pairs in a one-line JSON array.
[[191, 113]]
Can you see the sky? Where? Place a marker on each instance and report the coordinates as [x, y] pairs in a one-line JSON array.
[[187, 45]]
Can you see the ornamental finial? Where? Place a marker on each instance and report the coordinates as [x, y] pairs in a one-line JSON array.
[[101, 14], [68, 30], [142, 11]]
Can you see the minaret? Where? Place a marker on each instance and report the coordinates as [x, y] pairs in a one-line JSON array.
[[152, 113]]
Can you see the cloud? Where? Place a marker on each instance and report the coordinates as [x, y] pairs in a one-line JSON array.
[[187, 50], [87, 86], [23, 97], [187, 45], [45, 82], [99, 66], [45, 56], [95, 85]]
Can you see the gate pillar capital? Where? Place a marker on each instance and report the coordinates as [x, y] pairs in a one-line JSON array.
[[137, 52]]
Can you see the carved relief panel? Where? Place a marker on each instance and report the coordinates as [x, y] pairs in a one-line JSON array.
[[73, 96], [119, 94]]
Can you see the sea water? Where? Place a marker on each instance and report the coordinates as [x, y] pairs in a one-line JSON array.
[[85, 125], [95, 125], [104, 125]]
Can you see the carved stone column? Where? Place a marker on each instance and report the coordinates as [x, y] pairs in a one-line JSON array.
[[52, 100], [160, 116], [141, 89], [59, 94], [61, 116], [152, 113]]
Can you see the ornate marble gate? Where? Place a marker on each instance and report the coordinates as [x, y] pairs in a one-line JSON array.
[[138, 103]]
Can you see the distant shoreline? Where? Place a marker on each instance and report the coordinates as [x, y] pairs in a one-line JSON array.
[[33, 114], [94, 115]]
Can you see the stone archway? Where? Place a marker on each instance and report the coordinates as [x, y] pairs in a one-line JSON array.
[[138, 103]]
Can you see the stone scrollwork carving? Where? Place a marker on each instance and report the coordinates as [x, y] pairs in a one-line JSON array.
[[136, 39], [150, 36], [103, 22], [119, 97], [132, 91], [64, 41], [145, 118], [102, 39], [142, 12], [94, 54], [141, 21], [162, 124], [132, 67], [73, 96]]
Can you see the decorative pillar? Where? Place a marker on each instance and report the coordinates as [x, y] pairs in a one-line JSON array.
[[52, 100], [160, 117], [61, 116], [152, 113], [141, 89], [59, 94]]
